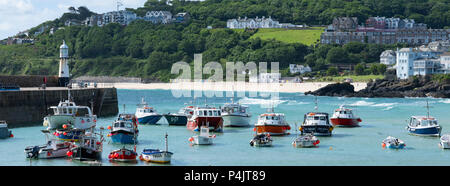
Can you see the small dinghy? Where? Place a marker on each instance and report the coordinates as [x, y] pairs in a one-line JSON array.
[[261, 140], [123, 155], [307, 140], [156, 155], [204, 138], [53, 149], [393, 143], [445, 141]]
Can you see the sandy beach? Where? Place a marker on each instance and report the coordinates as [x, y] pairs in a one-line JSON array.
[[233, 86]]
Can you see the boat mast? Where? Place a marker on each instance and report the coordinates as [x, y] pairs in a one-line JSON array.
[[428, 110], [167, 146], [316, 107]]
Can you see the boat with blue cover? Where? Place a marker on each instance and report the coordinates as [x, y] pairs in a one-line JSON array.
[[156, 155], [424, 125], [393, 143], [124, 130], [146, 114]]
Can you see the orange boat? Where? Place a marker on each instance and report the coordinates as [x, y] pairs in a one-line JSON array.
[[272, 123]]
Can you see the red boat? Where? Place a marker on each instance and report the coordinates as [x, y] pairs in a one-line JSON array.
[[345, 117], [123, 154], [205, 116]]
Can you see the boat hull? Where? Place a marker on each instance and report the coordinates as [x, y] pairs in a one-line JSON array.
[[345, 122], [71, 135], [303, 144], [272, 129], [236, 121], [5, 133], [176, 120], [425, 131], [123, 155], [57, 121], [47, 153], [215, 123], [122, 137], [317, 130], [85, 154], [152, 119], [444, 145], [162, 157], [202, 140]]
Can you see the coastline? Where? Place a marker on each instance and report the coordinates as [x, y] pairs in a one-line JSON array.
[[233, 86]]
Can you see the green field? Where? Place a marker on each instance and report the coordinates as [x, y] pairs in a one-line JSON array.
[[305, 36]]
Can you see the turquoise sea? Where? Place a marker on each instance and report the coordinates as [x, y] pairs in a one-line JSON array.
[[381, 117]]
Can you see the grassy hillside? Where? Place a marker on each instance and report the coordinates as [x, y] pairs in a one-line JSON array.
[[306, 36]]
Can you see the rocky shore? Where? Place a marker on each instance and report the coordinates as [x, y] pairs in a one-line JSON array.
[[413, 87]]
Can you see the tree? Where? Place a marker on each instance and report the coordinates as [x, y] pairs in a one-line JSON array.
[[359, 69], [381, 69], [332, 71], [337, 55]]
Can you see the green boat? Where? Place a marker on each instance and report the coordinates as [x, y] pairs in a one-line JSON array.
[[176, 119]]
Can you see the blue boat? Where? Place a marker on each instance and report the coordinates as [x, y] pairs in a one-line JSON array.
[[393, 143], [124, 130], [146, 114], [424, 125], [69, 134]]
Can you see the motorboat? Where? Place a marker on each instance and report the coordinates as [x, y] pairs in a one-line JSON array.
[[146, 114], [235, 115], [90, 147], [445, 141], [156, 155], [54, 148], [68, 113], [204, 138], [424, 125], [261, 140], [124, 130], [181, 117], [316, 123], [393, 143], [307, 140], [4, 131], [345, 117], [206, 116], [272, 123], [123, 155]]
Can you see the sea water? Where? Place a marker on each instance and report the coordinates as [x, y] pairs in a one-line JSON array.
[[381, 117]]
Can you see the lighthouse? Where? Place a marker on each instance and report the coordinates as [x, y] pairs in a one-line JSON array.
[[63, 76]]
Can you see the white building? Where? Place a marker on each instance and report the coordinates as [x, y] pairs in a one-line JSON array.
[[253, 23], [445, 63], [388, 58], [122, 17], [417, 61], [163, 17], [266, 78], [295, 68]]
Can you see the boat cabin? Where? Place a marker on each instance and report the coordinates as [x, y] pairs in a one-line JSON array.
[[272, 118], [423, 121], [145, 110], [343, 112], [207, 112], [70, 108], [316, 118], [234, 109], [122, 124]]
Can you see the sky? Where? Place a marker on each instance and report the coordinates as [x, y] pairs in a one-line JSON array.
[[20, 15]]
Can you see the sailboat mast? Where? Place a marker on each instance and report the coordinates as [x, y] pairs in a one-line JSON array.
[[167, 146], [428, 110]]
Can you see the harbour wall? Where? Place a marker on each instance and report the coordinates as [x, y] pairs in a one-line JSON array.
[[29, 107], [29, 81]]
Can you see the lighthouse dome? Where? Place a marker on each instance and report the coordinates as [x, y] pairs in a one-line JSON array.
[[64, 50], [64, 46]]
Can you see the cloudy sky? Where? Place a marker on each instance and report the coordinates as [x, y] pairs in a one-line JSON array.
[[19, 15]]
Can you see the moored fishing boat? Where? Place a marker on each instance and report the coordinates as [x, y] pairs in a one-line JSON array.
[[124, 130], [146, 114], [156, 155], [393, 143], [181, 117], [69, 134], [123, 155], [424, 125], [204, 138], [445, 141], [4, 131], [272, 123], [261, 140], [67, 112], [53, 149], [316, 123], [235, 115], [206, 116], [90, 148], [307, 140], [345, 117]]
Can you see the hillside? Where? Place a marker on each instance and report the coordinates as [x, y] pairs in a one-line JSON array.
[[310, 36]]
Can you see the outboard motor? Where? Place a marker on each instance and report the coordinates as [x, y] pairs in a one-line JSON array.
[[34, 152]]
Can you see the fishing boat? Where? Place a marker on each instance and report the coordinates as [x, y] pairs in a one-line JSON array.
[[424, 125], [307, 140], [124, 130], [156, 155], [146, 114], [345, 117], [123, 155], [393, 143], [316, 123], [261, 140], [4, 131], [54, 148], [90, 147], [235, 115], [67, 112], [206, 116], [204, 138], [272, 123], [69, 134], [445, 141], [181, 117]]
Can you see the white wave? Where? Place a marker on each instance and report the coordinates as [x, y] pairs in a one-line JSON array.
[[384, 105], [362, 103], [388, 108], [445, 101], [296, 103]]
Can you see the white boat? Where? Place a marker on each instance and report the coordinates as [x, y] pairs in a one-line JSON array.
[[67, 112], [146, 114], [4, 131], [204, 138], [156, 155], [272, 123], [393, 143], [261, 140], [345, 117], [235, 115], [424, 125], [53, 149], [316, 123], [307, 140], [445, 141]]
